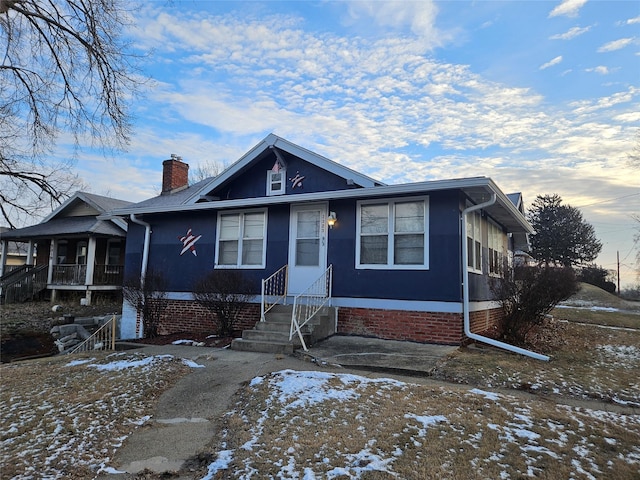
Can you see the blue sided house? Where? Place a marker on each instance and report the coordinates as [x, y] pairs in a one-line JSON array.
[[405, 262]]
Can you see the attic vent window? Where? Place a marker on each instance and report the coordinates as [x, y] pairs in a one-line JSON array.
[[276, 179]]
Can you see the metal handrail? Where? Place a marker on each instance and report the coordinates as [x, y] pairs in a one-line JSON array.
[[309, 302], [102, 339], [274, 286]]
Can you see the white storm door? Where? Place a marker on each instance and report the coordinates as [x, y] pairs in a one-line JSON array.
[[307, 245]]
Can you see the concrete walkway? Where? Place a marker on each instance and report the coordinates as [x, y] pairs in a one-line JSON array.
[[185, 420], [372, 354]]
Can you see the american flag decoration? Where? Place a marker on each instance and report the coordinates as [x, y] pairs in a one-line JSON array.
[[189, 243]]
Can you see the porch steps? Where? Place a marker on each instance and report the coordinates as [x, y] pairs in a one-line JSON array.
[[272, 335]]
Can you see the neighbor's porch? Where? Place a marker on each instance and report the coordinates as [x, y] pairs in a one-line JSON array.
[[82, 264]]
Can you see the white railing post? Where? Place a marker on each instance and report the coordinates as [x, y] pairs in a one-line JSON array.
[[314, 297], [274, 286]]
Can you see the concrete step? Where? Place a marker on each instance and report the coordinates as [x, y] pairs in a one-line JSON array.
[[266, 336], [262, 347]]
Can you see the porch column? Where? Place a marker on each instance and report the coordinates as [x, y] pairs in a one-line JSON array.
[[91, 261], [53, 249], [30, 249], [4, 250]]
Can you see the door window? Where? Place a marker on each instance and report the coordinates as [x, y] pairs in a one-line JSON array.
[[308, 238]]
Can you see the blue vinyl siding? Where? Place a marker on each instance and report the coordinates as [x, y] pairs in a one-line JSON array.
[[440, 282], [253, 182]]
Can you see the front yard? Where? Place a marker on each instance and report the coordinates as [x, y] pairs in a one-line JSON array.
[[498, 415]]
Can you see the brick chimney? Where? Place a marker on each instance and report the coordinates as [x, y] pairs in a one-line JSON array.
[[175, 175]]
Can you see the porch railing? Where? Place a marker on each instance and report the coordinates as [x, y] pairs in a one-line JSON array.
[[69, 274], [274, 291], [102, 339], [108, 274], [77, 274], [309, 302]]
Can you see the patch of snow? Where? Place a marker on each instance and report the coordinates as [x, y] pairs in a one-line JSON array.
[[191, 363], [74, 363], [488, 395], [426, 421], [225, 457], [130, 363], [188, 342]]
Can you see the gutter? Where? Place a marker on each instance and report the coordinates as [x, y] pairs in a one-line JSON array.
[[465, 290], [145, 249]]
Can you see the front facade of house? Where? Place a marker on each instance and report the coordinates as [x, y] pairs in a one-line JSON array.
[[74, 251], [394, 250]]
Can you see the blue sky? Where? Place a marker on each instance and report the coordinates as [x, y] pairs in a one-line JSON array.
[[541, 96]]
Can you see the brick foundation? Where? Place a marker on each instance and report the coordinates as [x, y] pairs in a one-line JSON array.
[[189, 316], [424, 327]]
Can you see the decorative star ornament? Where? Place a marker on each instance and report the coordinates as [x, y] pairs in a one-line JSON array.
[[189, 243]]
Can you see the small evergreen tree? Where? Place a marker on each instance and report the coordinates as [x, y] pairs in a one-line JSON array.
[[562, 236]]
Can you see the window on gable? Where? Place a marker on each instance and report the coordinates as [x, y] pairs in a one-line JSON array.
[[241, 239], [276, 183], [393, 234]]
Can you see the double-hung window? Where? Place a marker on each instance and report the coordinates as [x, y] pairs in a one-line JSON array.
[[474, 242], [393, 234], [241, 239], [496, 239], [276, 182]]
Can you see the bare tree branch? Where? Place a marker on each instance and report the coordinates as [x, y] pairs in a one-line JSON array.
[[64, 68]]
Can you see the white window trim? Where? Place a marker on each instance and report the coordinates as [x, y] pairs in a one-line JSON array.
[[283, 183], [491, 227], [390, 234], [239, 265], [471, 234]]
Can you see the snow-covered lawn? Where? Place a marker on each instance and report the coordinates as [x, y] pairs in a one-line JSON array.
[[64, 418], [594, 363], [312, 425]]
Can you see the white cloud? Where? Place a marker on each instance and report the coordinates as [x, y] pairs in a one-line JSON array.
[[377, 104], [419, 17], [568, 8], [615, 45], [633, 21], [551, 63], [571, 33], [602, 70]]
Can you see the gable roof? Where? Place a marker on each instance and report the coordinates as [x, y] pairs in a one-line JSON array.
[[270, 143], [476, 189], [63, 221], [99, 203], [66, 226]]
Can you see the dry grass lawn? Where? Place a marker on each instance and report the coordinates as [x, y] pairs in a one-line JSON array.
[[502, 416], [64, 417]]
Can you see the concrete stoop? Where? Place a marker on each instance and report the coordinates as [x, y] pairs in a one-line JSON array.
[[272, 335]]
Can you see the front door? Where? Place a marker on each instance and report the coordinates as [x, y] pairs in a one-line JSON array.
[[307, 245]]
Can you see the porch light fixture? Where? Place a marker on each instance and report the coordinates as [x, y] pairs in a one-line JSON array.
[[331, 219]]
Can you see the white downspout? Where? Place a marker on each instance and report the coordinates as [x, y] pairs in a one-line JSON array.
[[145, 248], [465, 291], [145, 260]]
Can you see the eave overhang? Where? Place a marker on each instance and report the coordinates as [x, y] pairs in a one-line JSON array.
[[477, 190]]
